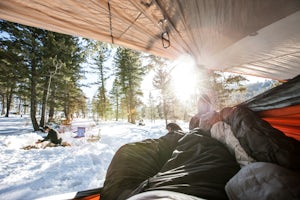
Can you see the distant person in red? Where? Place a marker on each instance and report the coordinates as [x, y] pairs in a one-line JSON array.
[[205, 111], [52, 136]]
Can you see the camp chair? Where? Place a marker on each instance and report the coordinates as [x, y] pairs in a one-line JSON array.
[[80, 132]]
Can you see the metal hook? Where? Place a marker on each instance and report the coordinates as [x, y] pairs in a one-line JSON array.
[[147, 4], [165, 39]]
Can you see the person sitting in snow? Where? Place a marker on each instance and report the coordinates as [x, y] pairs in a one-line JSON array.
[[51, 140], [52, 136]]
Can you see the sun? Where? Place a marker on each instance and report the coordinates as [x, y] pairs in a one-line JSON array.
[[184, 77]]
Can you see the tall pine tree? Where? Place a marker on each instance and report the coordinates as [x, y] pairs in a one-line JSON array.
[[100, 54], [130, 72]]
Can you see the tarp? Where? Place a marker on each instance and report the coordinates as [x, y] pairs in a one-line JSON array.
[[256, 37]]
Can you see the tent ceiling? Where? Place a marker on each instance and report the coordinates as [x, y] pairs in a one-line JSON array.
[[256, 37]]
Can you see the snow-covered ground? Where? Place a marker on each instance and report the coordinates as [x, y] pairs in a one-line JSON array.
[[36, 173]]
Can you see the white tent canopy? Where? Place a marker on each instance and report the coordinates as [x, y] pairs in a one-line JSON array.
[[260, 38]]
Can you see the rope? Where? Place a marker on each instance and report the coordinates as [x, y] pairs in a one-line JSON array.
[[110, 23]]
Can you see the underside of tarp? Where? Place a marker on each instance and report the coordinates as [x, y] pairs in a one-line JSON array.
[[260, 38]]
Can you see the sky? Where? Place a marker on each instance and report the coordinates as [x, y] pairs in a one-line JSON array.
[[40, 173]]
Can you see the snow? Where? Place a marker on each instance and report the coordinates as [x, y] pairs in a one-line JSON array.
[[37, 173]]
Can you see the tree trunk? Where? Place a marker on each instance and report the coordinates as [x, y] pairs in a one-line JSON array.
[[3, 102], [165, 111], [33, 102], [51, 106], [8, 101], [117, 110], [66, 108], [44, 102], [51, 113]]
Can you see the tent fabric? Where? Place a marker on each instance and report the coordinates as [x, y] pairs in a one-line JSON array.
[[280, 106], [260, 38]]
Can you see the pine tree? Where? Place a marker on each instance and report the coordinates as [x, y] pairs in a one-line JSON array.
[[70, 96], [161, 81], [37, 64], [61, 56], [229, 89], [28, 41], [12, 68], [115, 95], [53, 43], [130, 73], [152, 112], [100, 54]]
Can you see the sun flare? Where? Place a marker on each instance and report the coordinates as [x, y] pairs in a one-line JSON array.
[[185, 77]]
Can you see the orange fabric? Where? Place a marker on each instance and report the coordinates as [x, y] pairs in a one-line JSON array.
[[290, 110], [90, 197], [289, 131], [285, 119]]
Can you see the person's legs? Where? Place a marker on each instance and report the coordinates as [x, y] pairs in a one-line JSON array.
[[43, 145]]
